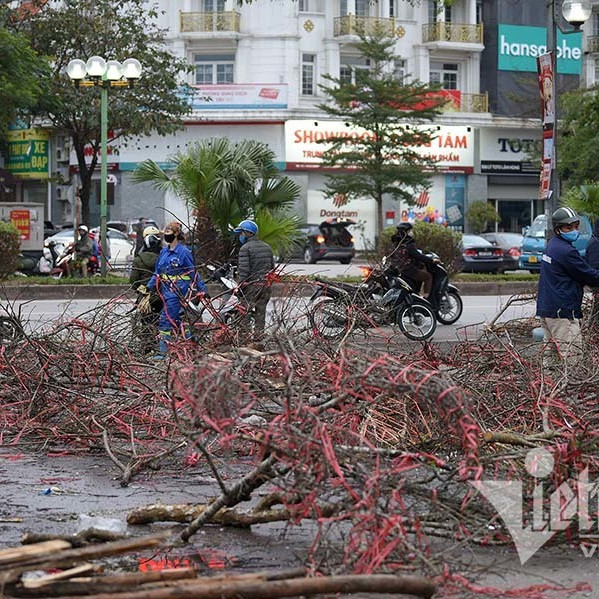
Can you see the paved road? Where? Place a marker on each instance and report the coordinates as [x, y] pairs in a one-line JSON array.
[[477, 311]]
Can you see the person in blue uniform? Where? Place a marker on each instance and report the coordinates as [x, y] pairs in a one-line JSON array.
[[173, 276]]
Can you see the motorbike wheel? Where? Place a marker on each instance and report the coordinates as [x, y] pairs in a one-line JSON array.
[[328, 318], [417, 321], [450, 308], [10, 329]]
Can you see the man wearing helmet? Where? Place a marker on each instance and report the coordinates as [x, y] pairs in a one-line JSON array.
[[409, 259], [563, 276], [84, 249], [256, 260], [148, 304]]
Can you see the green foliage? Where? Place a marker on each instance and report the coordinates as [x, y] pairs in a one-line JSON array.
[[429, 237], [578, 149], [480, 215], [23, 75], [584, 199], [10, 247], [223, 183], [384, 162], [113, 29]]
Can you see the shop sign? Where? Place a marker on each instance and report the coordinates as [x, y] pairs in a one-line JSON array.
[[452, 148], [519, 46], [21, 219], [27, 155], [253, 96], [510, 151]]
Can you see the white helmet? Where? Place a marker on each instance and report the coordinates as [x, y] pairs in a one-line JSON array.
[[151, 236], [83, 228]]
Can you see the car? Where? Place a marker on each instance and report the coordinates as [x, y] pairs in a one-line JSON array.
[[121, 248], [49, 229], [533, 242], [330, 240], [480, 255], [129, 227], [511, 244]]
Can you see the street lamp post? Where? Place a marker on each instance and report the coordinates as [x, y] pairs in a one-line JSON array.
[[97, 71], [576, 13]]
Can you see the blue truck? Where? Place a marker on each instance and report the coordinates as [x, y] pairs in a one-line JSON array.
[[533, 242]]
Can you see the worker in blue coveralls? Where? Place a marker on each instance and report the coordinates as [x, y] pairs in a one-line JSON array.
[[174, 275]]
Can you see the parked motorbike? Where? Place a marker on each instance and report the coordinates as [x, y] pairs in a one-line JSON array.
[[11, 328], [444, 297], [63, 262], [384, 299]]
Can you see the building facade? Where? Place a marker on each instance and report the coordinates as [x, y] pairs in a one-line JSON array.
[[257, 73]]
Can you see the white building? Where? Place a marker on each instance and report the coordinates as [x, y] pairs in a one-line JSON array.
[[261, 66]]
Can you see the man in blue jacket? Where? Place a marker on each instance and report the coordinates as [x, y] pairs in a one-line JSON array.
[[564, 274]]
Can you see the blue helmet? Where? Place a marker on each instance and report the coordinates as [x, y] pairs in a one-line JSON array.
[[247, 226]]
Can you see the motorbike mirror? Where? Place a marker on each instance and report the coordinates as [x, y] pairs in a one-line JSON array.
[[384, 260], [211, 267], [228, 283]]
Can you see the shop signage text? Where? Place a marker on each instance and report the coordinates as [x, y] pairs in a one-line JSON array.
[[451, 147], [253, 96], [519, 46], [28, 153]]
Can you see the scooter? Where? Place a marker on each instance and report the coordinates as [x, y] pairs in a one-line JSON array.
[[63, 263]]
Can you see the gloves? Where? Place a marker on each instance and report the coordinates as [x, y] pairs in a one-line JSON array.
[[143, 290], [144, 306]]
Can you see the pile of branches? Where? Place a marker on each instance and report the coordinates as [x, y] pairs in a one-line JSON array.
[[379, 450]]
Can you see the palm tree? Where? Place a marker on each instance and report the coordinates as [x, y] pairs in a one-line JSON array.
[[223, 183], [584, 199]]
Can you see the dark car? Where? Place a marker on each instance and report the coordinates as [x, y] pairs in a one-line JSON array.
[[330, 240], [480, 255], [510, 244], [49, 229]]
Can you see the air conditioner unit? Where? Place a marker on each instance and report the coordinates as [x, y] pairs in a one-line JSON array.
[[63, 193]]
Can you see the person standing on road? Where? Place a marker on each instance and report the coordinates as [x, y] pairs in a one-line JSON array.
[[563, 276], [592, 258], [255, 261], [139, 228], [149, 303], [84, 249], [174, 275]]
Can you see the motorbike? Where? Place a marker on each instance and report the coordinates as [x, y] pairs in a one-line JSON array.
[[444, 297], [11, 328], [383, 299], [63, 262]]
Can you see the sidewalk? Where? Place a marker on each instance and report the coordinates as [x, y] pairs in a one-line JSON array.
[[62, 292]]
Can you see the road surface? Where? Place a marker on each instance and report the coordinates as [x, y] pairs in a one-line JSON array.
[[478, 310]]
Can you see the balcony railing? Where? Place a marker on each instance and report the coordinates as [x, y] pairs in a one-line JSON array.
[[202, 22], [452, 32], [354, 25], [593, 43], [469, 103]]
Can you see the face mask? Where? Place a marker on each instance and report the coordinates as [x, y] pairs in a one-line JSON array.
[[570, 235], [242, 239], [169, 237]]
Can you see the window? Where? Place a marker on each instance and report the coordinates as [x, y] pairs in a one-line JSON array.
[[448, 14], [349, 65], [433, 11], [303, 6], [308, 74], [391, 8], [595, 23], [214, 5], [214, 69], [479, 12], [343, 8], [399, 69], [596, 70], [361, 8], [444, 74]]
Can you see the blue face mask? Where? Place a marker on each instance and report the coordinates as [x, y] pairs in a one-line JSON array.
[[242, 239], [570, 236]]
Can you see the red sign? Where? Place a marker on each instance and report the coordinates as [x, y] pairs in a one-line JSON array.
[[423, 199], [21, 219]]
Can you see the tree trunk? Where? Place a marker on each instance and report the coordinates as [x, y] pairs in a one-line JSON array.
[[85, 177]]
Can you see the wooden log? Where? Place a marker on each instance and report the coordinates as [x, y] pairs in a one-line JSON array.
[[413, 586], [73, 556], [85, 537], [14, 555], [36, 583]]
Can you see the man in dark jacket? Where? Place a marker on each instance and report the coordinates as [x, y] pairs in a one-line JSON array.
[[255, 261], [149, 303], [564, 274], [84, 249], [592, 258], [410, 261]]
